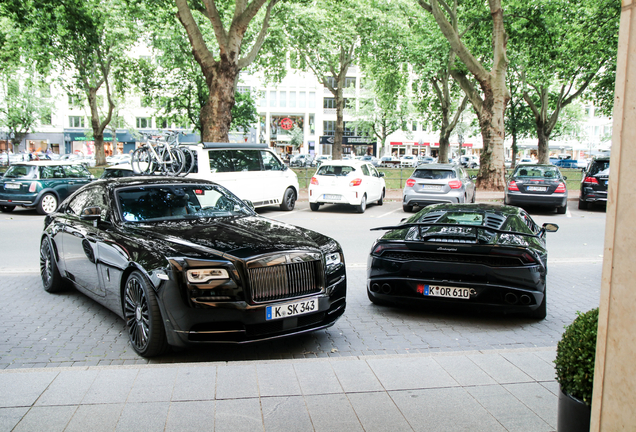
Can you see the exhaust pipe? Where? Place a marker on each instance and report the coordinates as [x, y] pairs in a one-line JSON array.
[[525, 299], [375, 287], [511, 298], [386, 289]]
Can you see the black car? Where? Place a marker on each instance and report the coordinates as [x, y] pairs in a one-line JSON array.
[[539, 185], [594, 183], [184, 261], [475, 255]]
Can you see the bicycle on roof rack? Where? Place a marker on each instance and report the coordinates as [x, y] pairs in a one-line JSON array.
[[161, 154]]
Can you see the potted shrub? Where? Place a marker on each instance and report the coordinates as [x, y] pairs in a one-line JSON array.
[[575, 356]]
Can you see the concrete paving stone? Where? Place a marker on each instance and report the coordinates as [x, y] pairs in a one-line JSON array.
[[23, 389], [552, 386], [50, 419], [510, 412], [410, 373], [238, 415], [372, 419], [281, 414], [499, 368], [68, 388], [196, 383], [191, 416], [332, 412], [538, 398], [532, 365], [153, 385], [146, 416], [111, 386], [464, 371], [444, 409], [95, 418], [356, 376], [277, 379], [236, 381], [9, 417], [317, 378]]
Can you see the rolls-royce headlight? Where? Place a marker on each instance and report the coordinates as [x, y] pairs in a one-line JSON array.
[[333, 258], [199, 276]]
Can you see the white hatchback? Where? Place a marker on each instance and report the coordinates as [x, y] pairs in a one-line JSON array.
[[346, 182]]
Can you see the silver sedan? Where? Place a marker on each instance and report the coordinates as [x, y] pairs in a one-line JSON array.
[[438, 183]]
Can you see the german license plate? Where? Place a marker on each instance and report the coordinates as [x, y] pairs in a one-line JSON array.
[[332, 197], [443, 291], [432, 187], [292, 309], [12, 185], [537, 188]]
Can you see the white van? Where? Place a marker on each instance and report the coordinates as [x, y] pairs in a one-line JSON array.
[[251, 171]]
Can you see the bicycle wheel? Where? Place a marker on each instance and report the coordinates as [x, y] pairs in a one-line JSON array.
[[172, 161], [142, 162], [189, 158]]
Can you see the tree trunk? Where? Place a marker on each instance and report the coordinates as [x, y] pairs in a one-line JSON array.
[[444, 143], [336, 151], [96, 126], [543, 143], [216, 114]]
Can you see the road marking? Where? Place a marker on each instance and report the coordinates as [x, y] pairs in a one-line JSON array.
[[567, 212], [391, 212]]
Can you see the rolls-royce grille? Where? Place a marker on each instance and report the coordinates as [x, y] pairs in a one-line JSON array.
[[284, 281]]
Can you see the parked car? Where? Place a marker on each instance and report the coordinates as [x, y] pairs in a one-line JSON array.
[[320, 159], [537, 184], [409, 161], [41, 184], [346, 182], [251, 171], [471, 161], [119, 159], [464, 255], [372, 159], [389, 161], [594, 183], [301, 160], [184, 261], [118, 171], [525, 161], [426, 160], [437, 183]]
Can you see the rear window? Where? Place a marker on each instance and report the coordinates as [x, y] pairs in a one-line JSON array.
[[22, 171], [335, 170], [537, 172], [598, 166], [434, 174]]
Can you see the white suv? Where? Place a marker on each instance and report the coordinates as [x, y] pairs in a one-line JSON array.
[[252, 172]]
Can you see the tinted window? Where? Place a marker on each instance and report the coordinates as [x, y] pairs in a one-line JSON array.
[[365, 170], [221, 161], [335, 170], [537, 171], [22, 171], [436, 174], [598, 166], [76, 171], [234, 160], [270, 162], [91, 197], [49, 172]]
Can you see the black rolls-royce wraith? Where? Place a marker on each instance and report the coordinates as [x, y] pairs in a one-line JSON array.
[[185, 261]]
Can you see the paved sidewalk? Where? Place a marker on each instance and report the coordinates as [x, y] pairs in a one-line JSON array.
[[506, 390]]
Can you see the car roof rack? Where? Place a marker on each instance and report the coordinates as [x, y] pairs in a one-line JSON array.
[[216, 145]]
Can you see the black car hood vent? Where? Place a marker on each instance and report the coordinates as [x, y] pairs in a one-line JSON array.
[[493, 220]]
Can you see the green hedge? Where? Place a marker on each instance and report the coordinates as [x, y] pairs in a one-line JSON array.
[[576, 353]]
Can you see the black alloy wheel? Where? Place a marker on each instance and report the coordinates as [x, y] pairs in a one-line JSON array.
[[289, 200], [146, 332], [51, 279]]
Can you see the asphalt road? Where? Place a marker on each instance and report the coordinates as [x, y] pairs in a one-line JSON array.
[[68, 329]]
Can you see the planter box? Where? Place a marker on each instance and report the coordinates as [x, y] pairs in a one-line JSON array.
[[573, 415]]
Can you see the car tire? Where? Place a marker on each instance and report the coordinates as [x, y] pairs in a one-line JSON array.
[[542, 311], [562, 210], [289, 200], [582, 205], [363, 204], [48, 204], [381, 200], [407, 208], [314, 206], [52, 281], [7, 209], [146, 332]]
